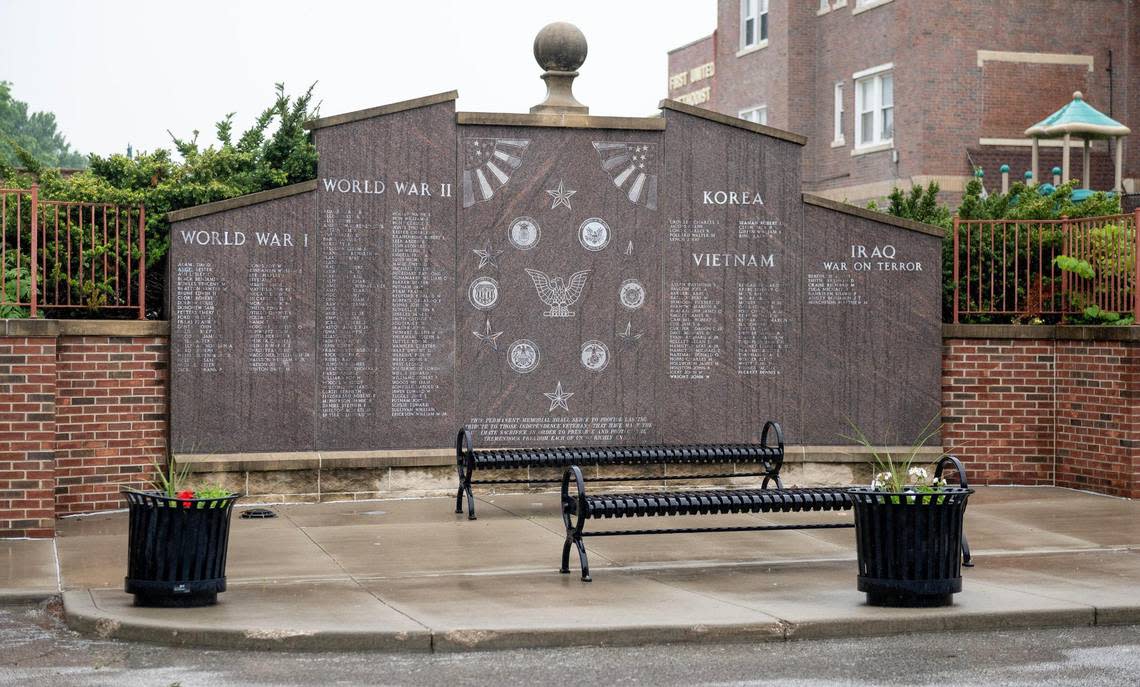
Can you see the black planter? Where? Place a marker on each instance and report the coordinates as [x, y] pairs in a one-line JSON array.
[[177, 549], [909, 546]]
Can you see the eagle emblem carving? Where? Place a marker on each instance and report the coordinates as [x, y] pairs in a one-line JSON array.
[[558, 294]]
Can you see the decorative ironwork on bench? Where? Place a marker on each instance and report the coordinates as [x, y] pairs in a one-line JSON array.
[[764, 459]]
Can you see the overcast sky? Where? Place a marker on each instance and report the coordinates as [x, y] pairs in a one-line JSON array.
[[118, 72]]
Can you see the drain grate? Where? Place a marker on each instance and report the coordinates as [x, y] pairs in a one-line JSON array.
[[257, 514]]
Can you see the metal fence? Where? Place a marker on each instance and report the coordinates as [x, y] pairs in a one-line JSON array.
[[1009, 267], [71, 255]]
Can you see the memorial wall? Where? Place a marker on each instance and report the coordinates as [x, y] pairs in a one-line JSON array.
[[547, 280]]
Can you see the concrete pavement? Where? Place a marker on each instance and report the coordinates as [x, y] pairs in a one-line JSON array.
[[412, 575]]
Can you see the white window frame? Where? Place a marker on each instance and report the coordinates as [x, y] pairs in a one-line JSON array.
[[761, 114], [824, 7], [864, 5], [875, 76], [839, 108], [760, 25]]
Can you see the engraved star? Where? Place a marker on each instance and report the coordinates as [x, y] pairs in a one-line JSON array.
[[561, 195], [558, 398], [487, 257], [488, 336], [629, 336]]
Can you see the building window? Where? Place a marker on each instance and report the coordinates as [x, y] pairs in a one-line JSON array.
[[874, 106], [837, 137], [861, 5], [759, 115], [824, 6], [753, 23]]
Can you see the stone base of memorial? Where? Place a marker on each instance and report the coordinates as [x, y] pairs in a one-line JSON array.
[[909, 546], [177, 548]]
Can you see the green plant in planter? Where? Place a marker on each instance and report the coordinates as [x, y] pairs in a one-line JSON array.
[[908, 473], [171, 481]]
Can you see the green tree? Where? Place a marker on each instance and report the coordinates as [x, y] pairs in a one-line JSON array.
[[34, 134], [275, 151]]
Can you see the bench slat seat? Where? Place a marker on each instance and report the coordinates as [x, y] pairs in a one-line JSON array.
[[706, 502], [507, 459], [763, 459]]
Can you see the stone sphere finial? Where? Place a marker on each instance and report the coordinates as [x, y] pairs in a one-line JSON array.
[[560, 47], [1077, 95]]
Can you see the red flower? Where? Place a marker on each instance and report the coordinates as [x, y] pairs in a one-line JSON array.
[[185, 497]]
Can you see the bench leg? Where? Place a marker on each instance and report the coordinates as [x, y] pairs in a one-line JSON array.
[[565, 569], [464, 468], [459, 492], [464, 472], [574, 525], [582, 560]]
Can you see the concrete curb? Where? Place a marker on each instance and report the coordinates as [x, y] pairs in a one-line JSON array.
[[85, 616], [19, 597]]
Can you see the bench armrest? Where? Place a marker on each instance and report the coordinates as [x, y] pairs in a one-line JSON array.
[[575, 473], [774, 426], [463, 445], [956, 465]]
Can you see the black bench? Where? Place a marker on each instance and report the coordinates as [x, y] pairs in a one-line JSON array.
[[576, 510], [767, 459]]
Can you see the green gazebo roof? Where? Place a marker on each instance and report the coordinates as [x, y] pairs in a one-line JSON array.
[[1078, 118]]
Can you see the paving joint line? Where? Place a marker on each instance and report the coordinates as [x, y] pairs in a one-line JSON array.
[[560, 535], [356, 581]]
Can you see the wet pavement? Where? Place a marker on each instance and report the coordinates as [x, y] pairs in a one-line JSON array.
[[411, 575]]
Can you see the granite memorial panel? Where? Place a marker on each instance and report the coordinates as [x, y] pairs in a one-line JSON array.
[[558, 284], [871, 337], [731, 250], [385, 306], [549, 281], [241, 287]]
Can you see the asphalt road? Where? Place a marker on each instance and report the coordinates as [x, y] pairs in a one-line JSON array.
[[35, 649]]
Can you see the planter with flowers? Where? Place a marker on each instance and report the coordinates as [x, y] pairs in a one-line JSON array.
[[177, 541], [908, 530]]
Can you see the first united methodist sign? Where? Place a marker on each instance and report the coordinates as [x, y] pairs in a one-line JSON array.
[[547, 279]]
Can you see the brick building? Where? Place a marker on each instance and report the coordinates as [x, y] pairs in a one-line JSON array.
[[891, 92]]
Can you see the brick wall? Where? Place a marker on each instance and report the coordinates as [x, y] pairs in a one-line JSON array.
[[683, 60], [1019, 159], [1098, 435], [944, 101], [27, 436], [1051, 410], [110, 418], [82, 413], [998, 408]]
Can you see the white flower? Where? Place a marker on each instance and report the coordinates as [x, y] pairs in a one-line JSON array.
[[918, 474]]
